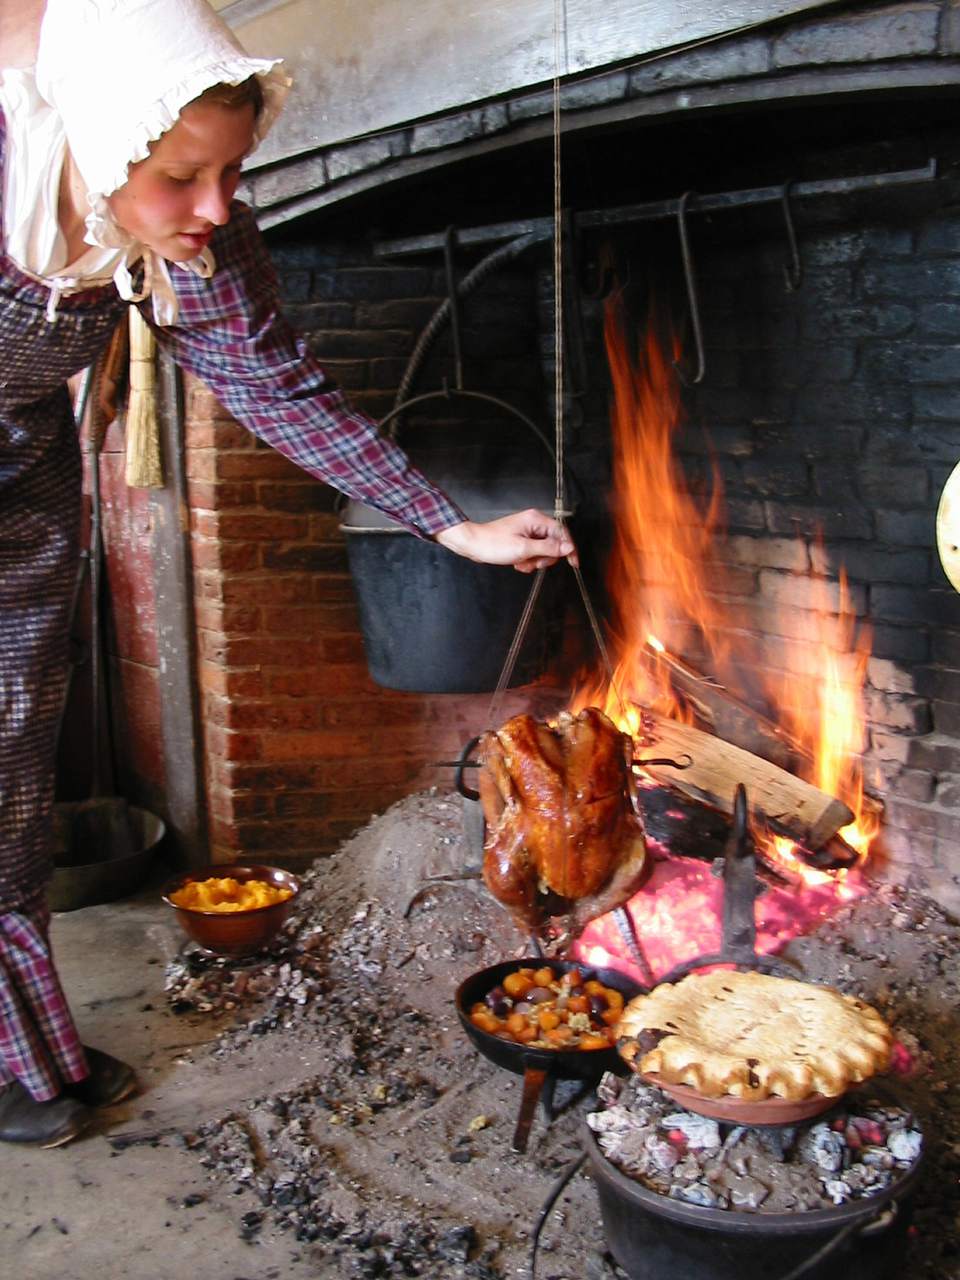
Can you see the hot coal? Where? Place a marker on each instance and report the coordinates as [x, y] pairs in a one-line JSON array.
[[857, 1150]]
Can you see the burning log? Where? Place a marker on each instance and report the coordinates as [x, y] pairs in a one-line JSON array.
[[741, 725], [727, 716], [788, 804]]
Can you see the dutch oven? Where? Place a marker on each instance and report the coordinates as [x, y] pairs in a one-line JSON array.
[[654, 1237]]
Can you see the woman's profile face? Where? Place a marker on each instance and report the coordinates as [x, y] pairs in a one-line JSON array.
[[173, 200]]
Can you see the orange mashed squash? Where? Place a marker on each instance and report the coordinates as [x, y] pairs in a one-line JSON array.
[[227, 894]]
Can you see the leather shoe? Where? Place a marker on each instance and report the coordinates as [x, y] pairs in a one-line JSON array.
[[41, 1124], [109, 1081]]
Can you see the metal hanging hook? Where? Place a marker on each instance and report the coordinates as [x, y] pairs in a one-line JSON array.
[[792, 270], [692, 299], [449, 241]]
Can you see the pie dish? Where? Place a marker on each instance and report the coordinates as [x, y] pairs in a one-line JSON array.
[[768, 1112], [752, 1036]]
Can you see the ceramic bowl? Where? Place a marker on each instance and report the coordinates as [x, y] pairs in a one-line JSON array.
[[235, 933]]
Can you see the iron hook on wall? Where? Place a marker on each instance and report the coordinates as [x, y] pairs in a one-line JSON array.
[[792, 270], [692, 298], [449, 244]]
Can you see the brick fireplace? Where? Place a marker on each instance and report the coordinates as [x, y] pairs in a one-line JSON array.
[[831, 408], [301, 746]]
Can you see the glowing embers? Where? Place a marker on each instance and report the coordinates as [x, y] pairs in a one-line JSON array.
[[678, 913]]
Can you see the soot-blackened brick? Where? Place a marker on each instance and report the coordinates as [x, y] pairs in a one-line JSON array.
[[942, 683], [938, 320], [371, 283], [940, 234], [945, 648], [902, 486], [780, 478], [853, 323], [728, 60], [935, 752], [912, 362], [905, 528], [832, 483], [811, 522], [902, 31], [746, 515], [854, 402], [936, 607], [931, 280], [870, 564], [946, 718], [461, 128], [937, 403], [908, 644], [312, 315], [369, 154], [595, 92]]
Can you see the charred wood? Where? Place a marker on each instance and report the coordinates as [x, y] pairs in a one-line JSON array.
[[727, 716], [786, 803], [733, 720]]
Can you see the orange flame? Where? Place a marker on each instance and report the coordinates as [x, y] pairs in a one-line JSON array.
[[821, 701], [662, 541], [667, 589]]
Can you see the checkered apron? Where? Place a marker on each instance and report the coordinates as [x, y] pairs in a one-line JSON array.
[[40, 495]]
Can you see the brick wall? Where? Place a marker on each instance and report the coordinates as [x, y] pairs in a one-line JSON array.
[[844, 50], [300, 746], [832, 415]]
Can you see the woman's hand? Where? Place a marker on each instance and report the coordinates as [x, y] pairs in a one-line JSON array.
[[528, 540]]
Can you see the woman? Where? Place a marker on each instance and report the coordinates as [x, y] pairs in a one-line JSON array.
[[119, 157]]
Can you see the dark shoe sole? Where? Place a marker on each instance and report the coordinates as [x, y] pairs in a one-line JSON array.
[[123, 1093], [64, 1138], [29, 1123]]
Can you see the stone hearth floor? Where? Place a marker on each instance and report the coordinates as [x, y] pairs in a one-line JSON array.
[[345, 1126]]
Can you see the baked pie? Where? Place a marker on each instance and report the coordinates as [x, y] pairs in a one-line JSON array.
[[753, 1036]]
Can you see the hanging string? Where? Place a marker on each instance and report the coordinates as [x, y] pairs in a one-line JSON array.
[[496, 701], [559, 511], [558, 345]]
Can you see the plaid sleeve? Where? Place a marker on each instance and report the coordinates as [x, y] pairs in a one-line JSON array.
[[231, 333]]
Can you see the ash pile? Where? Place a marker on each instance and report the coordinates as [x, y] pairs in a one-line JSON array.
[[391, 1157]]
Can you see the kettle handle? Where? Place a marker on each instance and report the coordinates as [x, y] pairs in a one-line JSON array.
[[448, 393]]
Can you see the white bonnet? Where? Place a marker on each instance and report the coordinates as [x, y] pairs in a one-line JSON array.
[[119, 72]]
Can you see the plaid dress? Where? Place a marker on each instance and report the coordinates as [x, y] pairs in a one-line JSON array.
[[230, 333]]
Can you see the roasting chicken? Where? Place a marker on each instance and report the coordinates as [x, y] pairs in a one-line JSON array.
[[563, 837]]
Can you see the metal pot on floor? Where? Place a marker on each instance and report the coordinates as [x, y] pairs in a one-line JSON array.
[[101, 854], [103, 847]]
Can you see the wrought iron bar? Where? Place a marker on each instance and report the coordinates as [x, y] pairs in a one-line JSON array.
[[541, 229]]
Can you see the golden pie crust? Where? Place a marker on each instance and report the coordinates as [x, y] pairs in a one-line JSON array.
[[752, 1036]]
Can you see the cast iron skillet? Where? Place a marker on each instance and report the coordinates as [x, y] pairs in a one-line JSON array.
[[539, 1067]]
